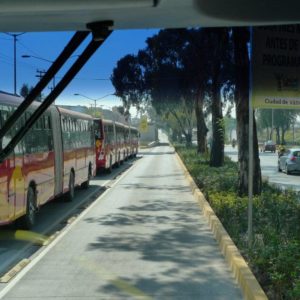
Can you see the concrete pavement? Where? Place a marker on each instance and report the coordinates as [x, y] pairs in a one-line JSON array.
[[145, 238]]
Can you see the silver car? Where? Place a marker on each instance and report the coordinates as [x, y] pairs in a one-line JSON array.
[[289, 161]]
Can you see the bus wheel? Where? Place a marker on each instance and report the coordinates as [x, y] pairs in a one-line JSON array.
[[28, 220], [71, 193], [86, 184]]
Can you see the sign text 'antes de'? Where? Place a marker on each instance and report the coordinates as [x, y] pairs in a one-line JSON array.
[[276, 67]]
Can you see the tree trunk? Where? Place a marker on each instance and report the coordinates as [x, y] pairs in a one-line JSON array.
[[201, 126], [188, 139], [241, 61], [217, 149], [282, 136]]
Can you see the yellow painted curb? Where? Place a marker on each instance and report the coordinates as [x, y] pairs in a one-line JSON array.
[[14, 271], [249, 285]]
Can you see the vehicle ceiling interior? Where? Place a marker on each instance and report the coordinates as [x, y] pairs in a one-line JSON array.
[[73, 15]]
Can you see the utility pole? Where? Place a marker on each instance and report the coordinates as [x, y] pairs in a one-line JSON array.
[[293, 132], [40, 74], [272, 125]]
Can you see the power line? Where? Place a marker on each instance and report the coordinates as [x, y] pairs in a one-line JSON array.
[[5, 39], [28, 49], [6, 56], [6, 62], [96, 79]]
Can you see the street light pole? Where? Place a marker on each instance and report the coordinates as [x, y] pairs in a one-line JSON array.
[[15, 64], [272, 124], [15, 35]]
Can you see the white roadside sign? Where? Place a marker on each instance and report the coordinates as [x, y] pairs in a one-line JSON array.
[[276, 67]]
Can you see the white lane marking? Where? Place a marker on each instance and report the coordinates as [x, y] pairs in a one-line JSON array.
[[25, 248], [36, 259]]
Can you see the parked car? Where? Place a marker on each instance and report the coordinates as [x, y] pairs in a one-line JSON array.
[[269, 146], [289, 161]]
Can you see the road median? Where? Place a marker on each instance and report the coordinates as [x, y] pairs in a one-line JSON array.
[[250, 287]]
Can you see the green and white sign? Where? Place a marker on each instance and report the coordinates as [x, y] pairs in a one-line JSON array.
[[276, 67]]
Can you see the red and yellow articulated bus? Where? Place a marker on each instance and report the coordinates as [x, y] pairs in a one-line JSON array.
[[55, 156], [115, 142], [105, 143]]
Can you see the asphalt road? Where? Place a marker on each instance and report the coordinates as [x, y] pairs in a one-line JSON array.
[[143, 238], [268, 163]]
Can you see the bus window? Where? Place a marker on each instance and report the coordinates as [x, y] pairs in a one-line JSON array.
[[97, 130]]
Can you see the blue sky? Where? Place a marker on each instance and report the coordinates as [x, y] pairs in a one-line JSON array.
[[92, 81]]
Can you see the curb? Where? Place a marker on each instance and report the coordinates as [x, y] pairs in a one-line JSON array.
[[14, 270], [249, 285]]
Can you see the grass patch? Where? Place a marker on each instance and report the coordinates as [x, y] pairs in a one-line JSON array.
[[275, 255]]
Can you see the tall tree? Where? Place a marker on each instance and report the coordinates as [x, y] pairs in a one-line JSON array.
[[24, 90], [241, 62], [282, 121], [196, 65], [128, 80], [218, 56], [167, 75]]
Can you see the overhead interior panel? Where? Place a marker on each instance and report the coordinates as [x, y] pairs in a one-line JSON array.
[[251, 12], [63, 15]]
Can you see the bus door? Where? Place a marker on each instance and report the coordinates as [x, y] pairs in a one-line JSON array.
[[16, 186], [10, 180], [18, 181], [58, 151]]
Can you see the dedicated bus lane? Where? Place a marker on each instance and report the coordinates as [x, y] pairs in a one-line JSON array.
[[143, 238]]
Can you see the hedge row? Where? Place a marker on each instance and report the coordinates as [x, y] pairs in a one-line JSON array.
[[275, 254]]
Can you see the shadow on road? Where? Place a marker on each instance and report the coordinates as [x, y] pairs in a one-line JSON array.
[[171, 235], [178, 174], [141, 186], [157, 153]]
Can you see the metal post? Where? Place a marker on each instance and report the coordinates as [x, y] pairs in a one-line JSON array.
[[15, 64], [250, 175], [293, 132], [250, 162], [15, 35], [271, 137]]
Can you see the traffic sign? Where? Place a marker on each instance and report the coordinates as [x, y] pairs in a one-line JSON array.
[[276, 67]]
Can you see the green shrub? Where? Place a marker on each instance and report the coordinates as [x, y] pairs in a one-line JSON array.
[[275, 254]]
